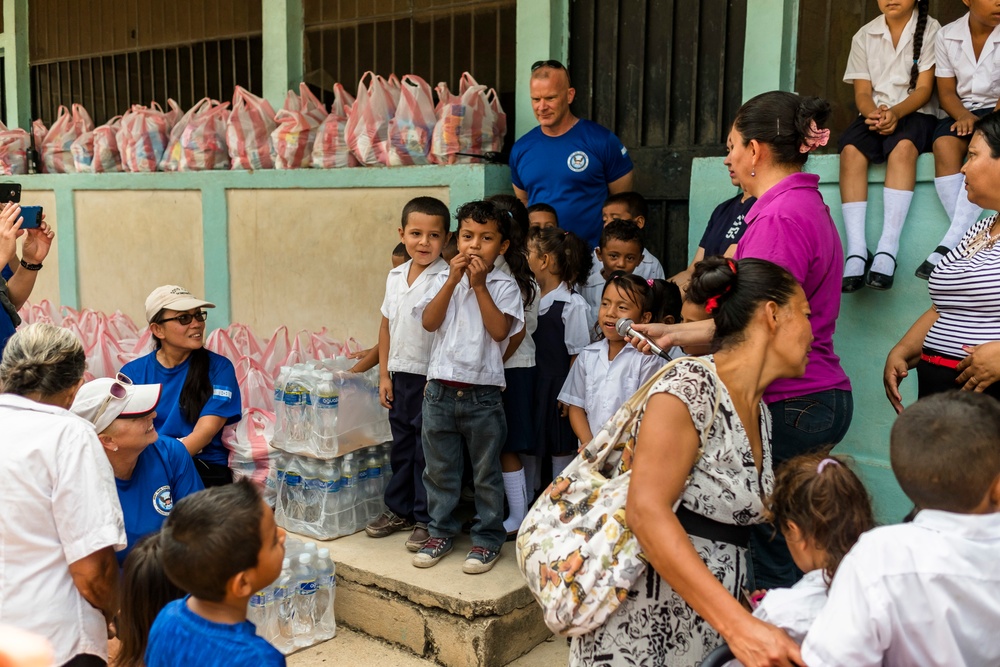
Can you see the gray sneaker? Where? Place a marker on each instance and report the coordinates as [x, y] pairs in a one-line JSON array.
[[434, 550], [480, 559]]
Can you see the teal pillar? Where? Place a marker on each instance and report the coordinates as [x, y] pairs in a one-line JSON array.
[[215, 230], [542, 34], [283, 33], [771, 51], [14, 42]]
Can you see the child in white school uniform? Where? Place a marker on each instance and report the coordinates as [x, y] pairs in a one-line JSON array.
[[608, 372], [621, 249], [927, 592], [968, 88], [472, 310], [892, 69], [632, 206], [559, 260], [404, 349]]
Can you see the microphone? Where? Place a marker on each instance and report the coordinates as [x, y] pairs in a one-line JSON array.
[[624, 328]]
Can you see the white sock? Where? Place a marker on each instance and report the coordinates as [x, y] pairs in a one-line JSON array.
[[532, 473], [854, 226], [966, 214], [896, 204], [516, 488], [948, 188], [560, 462]]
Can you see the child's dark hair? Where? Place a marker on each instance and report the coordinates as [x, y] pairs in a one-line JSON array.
[[543, 208], [427, 206], [484, 212], [989, 127], [145, 591], [945, 450], [197, 387], [211, 536], [821, 495], [571, 254], [731, 291], [622, 230], [633, 201], [918, 41], [667, 301], [517, 252], [636, 289], [782, 121], [400, 250]]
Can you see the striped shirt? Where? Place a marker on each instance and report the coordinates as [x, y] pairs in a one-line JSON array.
[[965, 292]]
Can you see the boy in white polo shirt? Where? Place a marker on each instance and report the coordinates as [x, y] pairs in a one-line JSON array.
[[632, 206], [473, 310], [404, 350], [928, 592]]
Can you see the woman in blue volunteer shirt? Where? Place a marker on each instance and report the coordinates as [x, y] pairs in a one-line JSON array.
[[199, 391], [152, 472]]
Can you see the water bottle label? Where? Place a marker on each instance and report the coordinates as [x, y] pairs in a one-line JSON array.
[[374, 472], [312, 484], [330, 485], [280, 592], [328, 401], [258, 599], [295, 398], [279, 394], [307, 587], [347, 481], [308, 399], [362, 475], [292, 479]]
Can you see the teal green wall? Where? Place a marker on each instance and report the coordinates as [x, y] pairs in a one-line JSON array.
[[870, 322]]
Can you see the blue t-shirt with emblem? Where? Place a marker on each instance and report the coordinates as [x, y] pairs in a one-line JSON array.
[[224, 402], [570, 173], [6, 324], [163, 474]]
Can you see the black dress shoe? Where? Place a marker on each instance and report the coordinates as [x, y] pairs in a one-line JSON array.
[[853, 283], [924, 270], [881, 281]]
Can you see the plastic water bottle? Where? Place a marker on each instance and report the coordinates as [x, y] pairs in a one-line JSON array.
[[373, 498], [284, 610], [312, 492], [330, 483], [260, 611], [296, 412], [305, 601], [325, 406], [326, 594], [293, 489], [280, 427], [348, 495]]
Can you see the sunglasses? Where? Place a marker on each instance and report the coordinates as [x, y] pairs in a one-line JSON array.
[[117, 391], [185, 319], [554, 64]]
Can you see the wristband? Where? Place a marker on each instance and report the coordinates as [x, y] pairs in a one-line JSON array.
[[31, 267]]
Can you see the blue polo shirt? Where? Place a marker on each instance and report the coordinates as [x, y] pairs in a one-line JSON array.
[[163, 474], [170, 421], [6, 325], [571, 173]]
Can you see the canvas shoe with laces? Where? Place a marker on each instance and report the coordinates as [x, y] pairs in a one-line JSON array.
[[433, 550], [480, 559]]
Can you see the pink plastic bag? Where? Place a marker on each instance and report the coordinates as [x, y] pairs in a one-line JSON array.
[[105, 357], [298, 122], [411, 128], [203, 142], [276, 352], [142, 137], [248, 131], [331, 149], [171, 159], [97, 151], [246, 343], [323, 346], [122, 326], [367, 127], [256, 387], [13, 150], [219, 342], [250, 454], [55, 149], [470, 122]]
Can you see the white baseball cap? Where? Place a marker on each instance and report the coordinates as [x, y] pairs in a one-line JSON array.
[[173, 297], [104, 400]]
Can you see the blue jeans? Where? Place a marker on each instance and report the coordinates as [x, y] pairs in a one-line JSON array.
[[798, 425], [453, 417]]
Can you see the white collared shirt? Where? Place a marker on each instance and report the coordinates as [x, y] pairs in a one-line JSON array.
[[873, 58], [524, 355], [409, 342], [650, 267], [794, 609], [574, 317], [977, 82], [923, 593], [463, 350], [600, 386], [58, 504]]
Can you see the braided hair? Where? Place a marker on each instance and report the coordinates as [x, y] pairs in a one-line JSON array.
[[918, 41]]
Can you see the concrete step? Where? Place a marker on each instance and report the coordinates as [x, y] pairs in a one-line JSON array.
[[440, 614]]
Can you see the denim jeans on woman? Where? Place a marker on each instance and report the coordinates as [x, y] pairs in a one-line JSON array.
[[798, 425], [452, 418]]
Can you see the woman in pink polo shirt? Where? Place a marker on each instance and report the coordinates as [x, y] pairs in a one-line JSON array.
[[791, 226]]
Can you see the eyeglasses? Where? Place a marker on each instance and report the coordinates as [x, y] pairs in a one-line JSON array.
[[554, 64], [185, 319]]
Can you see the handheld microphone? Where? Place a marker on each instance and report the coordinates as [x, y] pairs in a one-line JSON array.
[[624, 328]]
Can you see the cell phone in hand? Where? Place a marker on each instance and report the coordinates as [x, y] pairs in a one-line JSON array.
[[10, 192], [32, 216]]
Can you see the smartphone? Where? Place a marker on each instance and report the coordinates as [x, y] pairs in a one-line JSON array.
[[32, 217], [10, 192]]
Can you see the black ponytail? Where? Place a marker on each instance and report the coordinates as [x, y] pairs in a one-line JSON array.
[[918, 41], [783, 121], [517, 251], [573, 257], [197, 387]]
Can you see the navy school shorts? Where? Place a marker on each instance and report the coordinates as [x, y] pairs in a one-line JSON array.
[[917, 127]]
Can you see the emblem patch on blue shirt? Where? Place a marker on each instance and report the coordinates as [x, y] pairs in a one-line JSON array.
[[163, 501]]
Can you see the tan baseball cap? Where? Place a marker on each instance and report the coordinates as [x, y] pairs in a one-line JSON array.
[[104, 400], [173, 297]]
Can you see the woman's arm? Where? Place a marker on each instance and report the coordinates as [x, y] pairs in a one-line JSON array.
[[682, 278], [204, 430], [688, 334], [659, 471], [96, 577], [905, 355]]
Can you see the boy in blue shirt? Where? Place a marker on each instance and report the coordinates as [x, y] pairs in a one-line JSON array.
[[222, 546]]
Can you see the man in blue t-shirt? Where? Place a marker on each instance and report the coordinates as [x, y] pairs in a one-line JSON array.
[[17, 283], [567, 162]]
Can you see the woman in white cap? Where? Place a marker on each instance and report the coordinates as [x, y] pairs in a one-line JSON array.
[[152, 472], [60, 519], [199, 391]]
